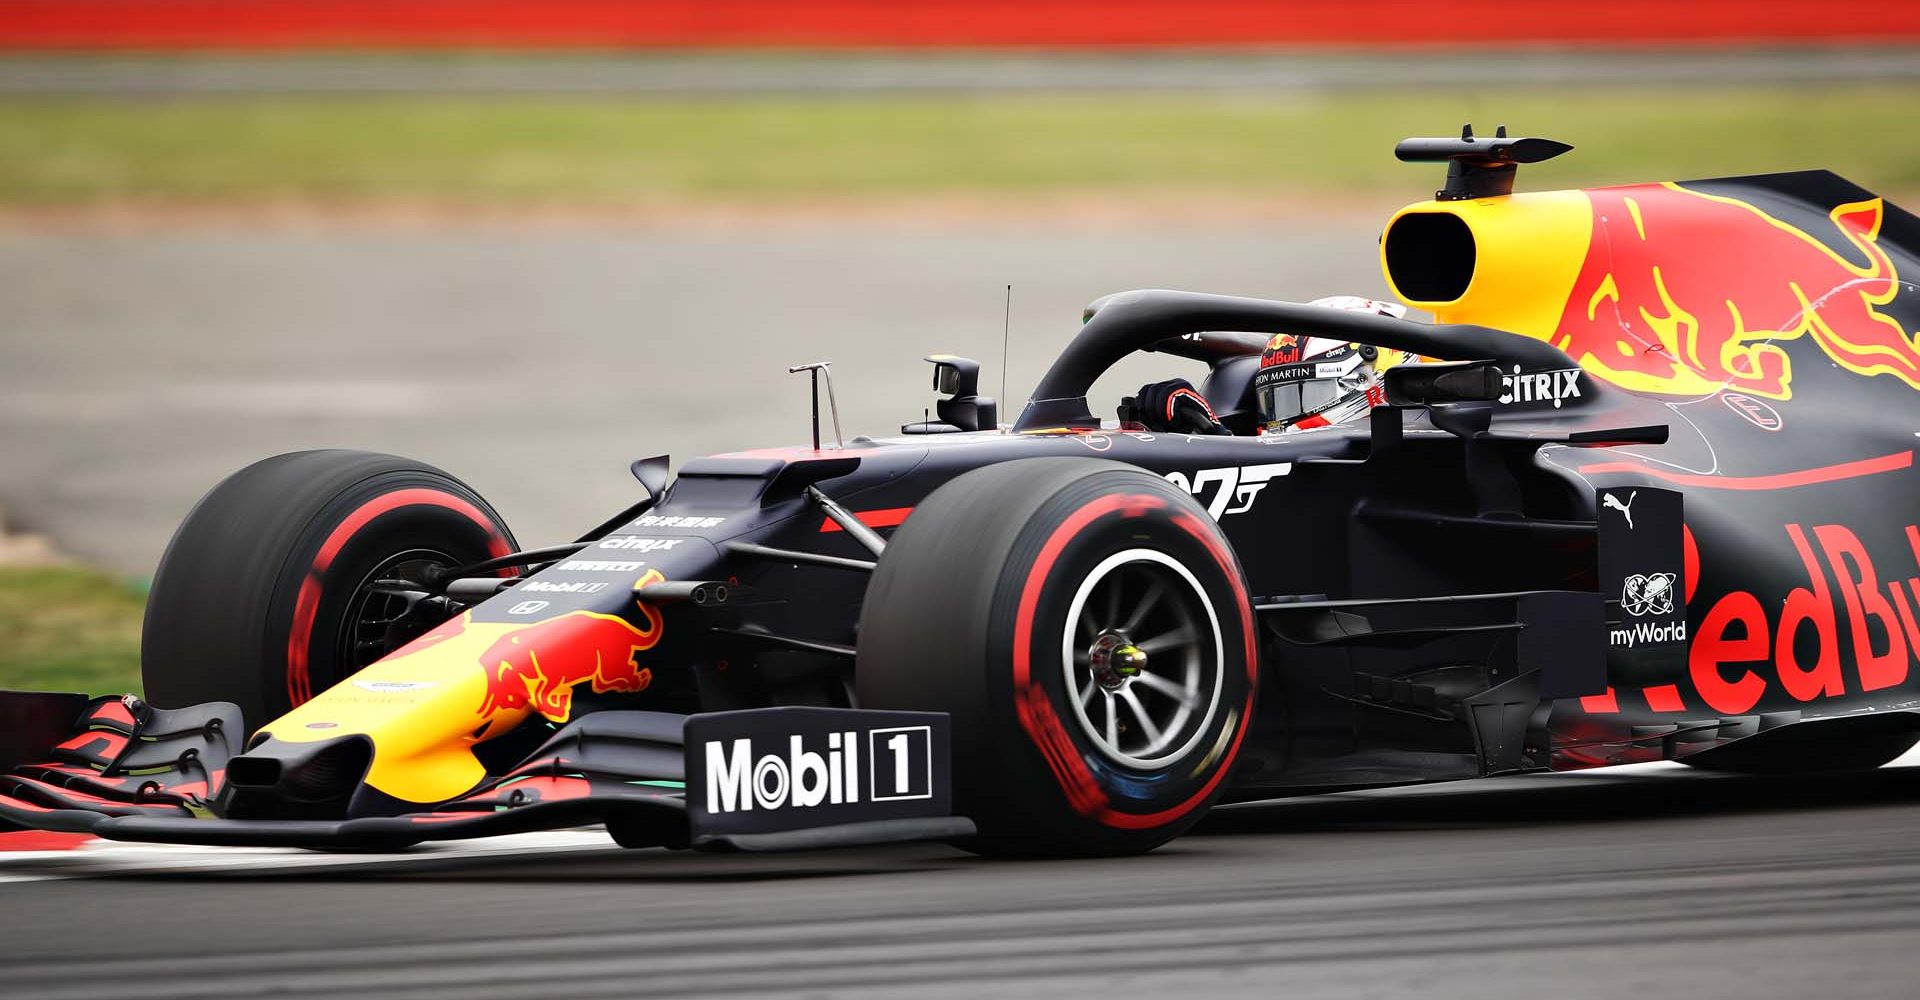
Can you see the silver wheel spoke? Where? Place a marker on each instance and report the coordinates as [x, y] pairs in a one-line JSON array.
[[1141, 616], [1167, 640], [1140, 712], [1186, 698], [1145, 605]]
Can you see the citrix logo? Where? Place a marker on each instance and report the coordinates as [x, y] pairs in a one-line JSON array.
[[1554, 386], [737, 781]]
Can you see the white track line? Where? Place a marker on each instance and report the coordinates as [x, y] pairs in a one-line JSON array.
[[106, 857]]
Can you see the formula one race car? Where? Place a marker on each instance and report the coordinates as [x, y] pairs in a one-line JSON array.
[[1637, 495]]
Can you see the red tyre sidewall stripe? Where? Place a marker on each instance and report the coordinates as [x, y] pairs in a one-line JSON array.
[[1035, 710], [305, 607], [307, 604]]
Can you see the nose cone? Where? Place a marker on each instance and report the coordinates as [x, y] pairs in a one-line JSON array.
[[280, 780]]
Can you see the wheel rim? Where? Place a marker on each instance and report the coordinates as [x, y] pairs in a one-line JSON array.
[[380, 620], [1142, 657]]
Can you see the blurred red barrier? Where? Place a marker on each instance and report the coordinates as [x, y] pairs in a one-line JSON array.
[[133, 24]]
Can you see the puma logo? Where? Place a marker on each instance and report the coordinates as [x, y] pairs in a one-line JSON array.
[[1625, 509]]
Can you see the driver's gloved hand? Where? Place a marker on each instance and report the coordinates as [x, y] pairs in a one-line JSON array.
[[1174, 406]]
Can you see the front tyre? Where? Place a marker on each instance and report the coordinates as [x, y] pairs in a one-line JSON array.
[[1089, 632], [266, 594]]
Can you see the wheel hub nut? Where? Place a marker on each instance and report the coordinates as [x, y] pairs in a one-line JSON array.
[[1116, 660]]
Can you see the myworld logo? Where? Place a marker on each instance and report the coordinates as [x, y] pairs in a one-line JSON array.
[[1647, 633]]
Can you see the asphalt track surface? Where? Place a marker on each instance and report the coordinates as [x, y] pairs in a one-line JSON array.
[[137, 370], [1662, 882], [986, 72]]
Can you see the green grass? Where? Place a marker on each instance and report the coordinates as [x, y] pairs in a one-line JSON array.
[[532, 150], [65, 628]]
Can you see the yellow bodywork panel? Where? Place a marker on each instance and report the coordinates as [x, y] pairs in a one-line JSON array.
[[1527, 250], [1664, 288], [428, 704], [420, 707]]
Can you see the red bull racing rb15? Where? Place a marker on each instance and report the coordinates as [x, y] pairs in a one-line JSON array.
[[1644, 489]]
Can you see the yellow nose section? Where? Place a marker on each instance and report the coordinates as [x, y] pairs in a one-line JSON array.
[[427, 705], [421, 709]]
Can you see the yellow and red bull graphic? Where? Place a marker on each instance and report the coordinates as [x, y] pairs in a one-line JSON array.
[[538, 666], [1671, 289], [428, 704], [1686, 293]]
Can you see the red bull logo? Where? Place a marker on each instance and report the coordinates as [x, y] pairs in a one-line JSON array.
[[1846, 611], [1282, 349], [1687, 293], [538, 666]]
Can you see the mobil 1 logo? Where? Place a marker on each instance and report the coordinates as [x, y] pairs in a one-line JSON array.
[[773, 769]]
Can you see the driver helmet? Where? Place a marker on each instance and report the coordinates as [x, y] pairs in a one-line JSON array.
[[1308, 382]]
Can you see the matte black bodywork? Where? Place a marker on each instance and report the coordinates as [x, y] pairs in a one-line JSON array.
[[1555, 573], [1446, 501]]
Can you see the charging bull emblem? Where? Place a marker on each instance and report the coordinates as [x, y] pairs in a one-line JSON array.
[[1688, 293], [1283, 349], [538, 666]]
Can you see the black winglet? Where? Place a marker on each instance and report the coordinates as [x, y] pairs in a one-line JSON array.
[[1478, 167]]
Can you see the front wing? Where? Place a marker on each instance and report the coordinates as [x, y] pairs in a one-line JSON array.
[[752, 780]]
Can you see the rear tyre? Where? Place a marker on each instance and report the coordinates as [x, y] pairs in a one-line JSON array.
[[1089, 632], [264, 597]]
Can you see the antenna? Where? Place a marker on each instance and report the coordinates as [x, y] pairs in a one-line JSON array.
[[1006, 337]]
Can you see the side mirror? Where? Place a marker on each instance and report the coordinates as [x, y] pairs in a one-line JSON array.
[[1431, 384], [955, 376], [652, 474], [965, 409]]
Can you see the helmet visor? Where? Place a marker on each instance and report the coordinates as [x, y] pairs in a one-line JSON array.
[[1286, 402]]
